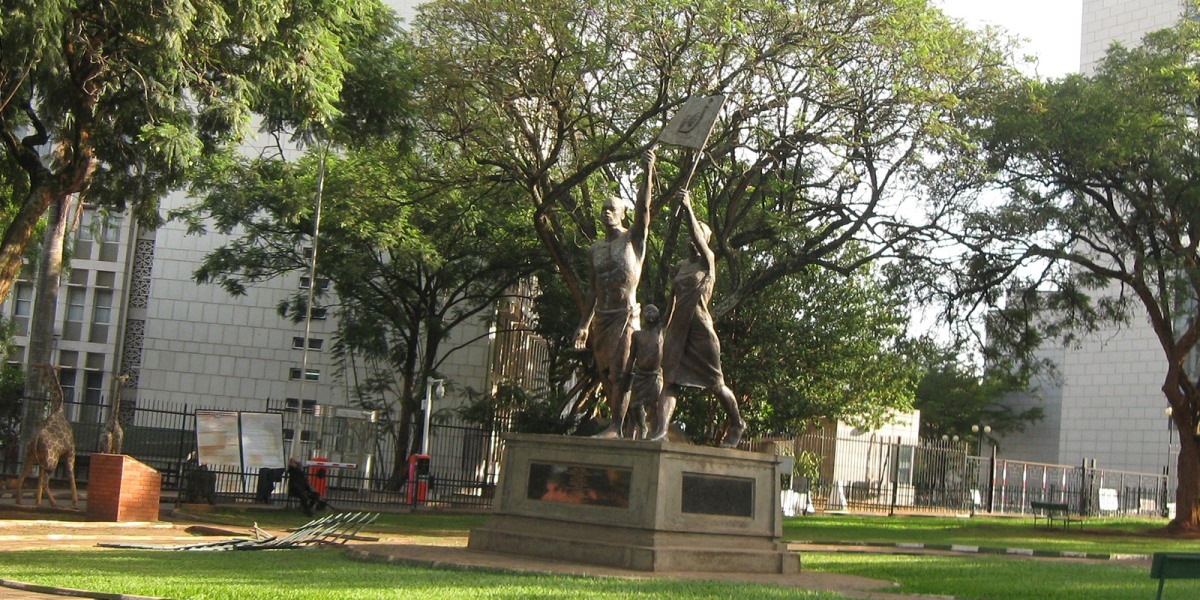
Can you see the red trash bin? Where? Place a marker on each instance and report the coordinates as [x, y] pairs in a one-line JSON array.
[[316, 475], [418, 478]]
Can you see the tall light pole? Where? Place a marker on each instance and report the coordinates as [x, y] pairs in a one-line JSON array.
[[432, 387], [981, 431], [1167, 467], [1170, 437]]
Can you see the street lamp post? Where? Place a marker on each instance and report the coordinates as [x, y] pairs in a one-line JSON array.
[[432, 387], [981, 431], [1167, 467]]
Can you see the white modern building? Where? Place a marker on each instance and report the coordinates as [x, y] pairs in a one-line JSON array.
[[1108, 405], [129, 305]]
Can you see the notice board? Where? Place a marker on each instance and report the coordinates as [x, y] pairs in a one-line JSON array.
[[246, 440]]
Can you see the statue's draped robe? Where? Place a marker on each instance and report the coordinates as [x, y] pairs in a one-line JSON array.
[[691, 351]]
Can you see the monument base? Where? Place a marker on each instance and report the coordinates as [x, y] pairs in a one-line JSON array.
[[647, 506], [120, 488]]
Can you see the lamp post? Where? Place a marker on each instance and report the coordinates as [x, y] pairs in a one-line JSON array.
[[432, 387], [981, 431], [1167, 467], [1170, 437]]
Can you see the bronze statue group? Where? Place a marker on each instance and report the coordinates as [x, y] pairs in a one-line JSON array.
[[643, 367]]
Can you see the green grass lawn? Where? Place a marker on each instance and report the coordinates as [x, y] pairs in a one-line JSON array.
[[1098, 536], [327, 575], [988, 577]]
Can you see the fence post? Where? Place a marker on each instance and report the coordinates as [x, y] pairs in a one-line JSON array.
[[1166, 483], [1085, 486], [991, 489], [895, 476]]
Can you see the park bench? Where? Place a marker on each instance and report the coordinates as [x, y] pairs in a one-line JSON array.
[[1174, 565], [1053, 512]]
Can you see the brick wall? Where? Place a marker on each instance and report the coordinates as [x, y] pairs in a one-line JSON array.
[[122, 489]]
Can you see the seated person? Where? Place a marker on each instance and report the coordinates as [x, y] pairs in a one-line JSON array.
[[299, 488]]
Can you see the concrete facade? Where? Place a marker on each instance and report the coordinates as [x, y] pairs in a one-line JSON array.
[[129, 305], [1122, 21]]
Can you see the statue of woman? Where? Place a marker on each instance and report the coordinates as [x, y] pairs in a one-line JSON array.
[[691, 350]]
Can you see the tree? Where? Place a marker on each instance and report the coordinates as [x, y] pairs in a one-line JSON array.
[[819, 346], [112, 103], [838, 112], [1102, 218], [406, 267], [953, 397]]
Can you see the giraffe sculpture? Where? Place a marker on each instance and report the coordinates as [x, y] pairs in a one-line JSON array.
[[112, 437], [52, 442]]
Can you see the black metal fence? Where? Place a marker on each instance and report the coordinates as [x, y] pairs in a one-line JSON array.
[[871, 474], [889, 476], [463, 469]]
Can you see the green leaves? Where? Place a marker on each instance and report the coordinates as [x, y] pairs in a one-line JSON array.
[[817, 345], [1100, 224], [121, 99], [177, 146]]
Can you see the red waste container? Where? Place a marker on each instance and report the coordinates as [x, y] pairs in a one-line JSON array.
[[418, 478], [317, 473]]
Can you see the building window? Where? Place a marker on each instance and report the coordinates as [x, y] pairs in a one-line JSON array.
[[102, 307], [93, 396], [22, 307], [66, 380], [75, 303], [73, 323], [289, 434], [87, 223], [294, 404], [318, 313], [322, 283], [112, 229], [110, 236], [313, 343], [105, 279], [101, 315], [310, 374]]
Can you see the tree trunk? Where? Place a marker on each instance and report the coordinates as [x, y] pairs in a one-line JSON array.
[[1187, 496], [17, 234], [45, 307], [49, 281], [400, 452]]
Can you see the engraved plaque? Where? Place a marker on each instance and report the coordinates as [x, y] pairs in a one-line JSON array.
[[571, 484], [715, 495]]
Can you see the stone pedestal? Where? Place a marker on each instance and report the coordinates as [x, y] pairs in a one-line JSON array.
[[648, 506], [121, 488]]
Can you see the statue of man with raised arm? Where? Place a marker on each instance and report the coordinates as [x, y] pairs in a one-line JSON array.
[[610, 314]]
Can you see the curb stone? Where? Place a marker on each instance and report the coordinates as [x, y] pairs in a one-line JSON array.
[[58, 591], [983, 550]]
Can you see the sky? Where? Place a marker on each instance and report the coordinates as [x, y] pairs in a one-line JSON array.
[[1050, 28]]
